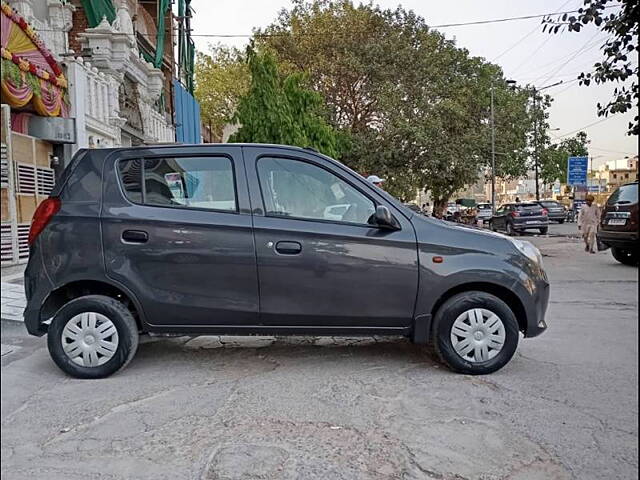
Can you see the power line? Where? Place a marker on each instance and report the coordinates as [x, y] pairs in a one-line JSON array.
[[535, 29], [586, 126], [444, 25], [560, 59], [568, 61]]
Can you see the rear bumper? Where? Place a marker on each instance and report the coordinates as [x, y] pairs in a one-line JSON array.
[[619, 239], [535, 224], [557, 216]]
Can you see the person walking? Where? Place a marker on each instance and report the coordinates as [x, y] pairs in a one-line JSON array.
[[588, 220]]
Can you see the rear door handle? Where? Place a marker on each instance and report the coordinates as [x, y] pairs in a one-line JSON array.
[[135, 236], [288, 248]]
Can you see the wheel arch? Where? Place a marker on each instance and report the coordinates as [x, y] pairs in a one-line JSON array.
[[79, 288], [503, 293]]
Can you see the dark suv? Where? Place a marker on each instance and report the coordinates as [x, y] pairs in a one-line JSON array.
[[263, 239], [515, 218], [619, 224]]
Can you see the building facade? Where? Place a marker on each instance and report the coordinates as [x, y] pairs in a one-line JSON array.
[[86, 74]]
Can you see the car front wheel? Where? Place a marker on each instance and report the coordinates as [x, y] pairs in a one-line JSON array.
[[475, 333], [92, 337], [544, 230], [626, 257]]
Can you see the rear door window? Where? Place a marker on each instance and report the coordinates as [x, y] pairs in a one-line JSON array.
[[181, 182], [532, 207]]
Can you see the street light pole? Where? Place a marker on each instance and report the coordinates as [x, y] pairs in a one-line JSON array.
[[493, 156]]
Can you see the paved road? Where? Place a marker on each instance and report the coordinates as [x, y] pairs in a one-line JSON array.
[[566, 407]]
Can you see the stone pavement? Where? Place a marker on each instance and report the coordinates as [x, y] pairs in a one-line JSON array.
[[13, 301]]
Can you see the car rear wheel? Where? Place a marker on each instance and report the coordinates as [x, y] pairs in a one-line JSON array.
[[475, 333], [544, 230], [561, 221], [626, 257], [92, 337]]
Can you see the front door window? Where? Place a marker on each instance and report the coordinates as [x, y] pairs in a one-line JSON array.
[[297, 189]]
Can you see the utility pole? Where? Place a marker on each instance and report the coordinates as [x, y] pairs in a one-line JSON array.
[[535, 133], [493, 156], [535, 141]]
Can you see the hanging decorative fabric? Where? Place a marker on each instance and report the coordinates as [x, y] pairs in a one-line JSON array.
[[31, 78]]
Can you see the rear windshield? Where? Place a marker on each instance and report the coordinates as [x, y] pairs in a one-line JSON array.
[[550, 204], [529, 206], [484, 206], [624, 194]]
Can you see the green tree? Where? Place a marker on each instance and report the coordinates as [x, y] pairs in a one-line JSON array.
[[221, 78], [414, 106], [554, 166], [280, 109], [617, 64]]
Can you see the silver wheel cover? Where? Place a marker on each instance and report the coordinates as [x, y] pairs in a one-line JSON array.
[[89, 339], [478, 335]]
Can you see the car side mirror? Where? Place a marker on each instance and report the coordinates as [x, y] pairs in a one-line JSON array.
[[383, 219]]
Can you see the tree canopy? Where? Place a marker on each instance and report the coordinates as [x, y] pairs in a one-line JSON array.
[[414, 105], [617, 64], [221, 78], [280, 109], [555, 157]]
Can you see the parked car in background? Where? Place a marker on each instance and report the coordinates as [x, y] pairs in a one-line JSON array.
[[248, 239], [515, 218], [555, 210], [484, 212], [619, 224]]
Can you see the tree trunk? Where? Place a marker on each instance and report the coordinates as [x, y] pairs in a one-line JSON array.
[[439, 207]]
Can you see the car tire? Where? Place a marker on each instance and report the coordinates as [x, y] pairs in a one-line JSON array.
[[92, 329], [448, 316], [492, 227], [626, 257], [560, 222], [544, 230]]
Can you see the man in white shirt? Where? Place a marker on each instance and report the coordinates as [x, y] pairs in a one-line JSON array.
[[588, 220]]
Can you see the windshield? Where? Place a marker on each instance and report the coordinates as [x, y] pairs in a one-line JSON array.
[[624, 194]]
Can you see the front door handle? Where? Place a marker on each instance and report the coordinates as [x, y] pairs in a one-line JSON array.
[[288, 248], [135, 236]]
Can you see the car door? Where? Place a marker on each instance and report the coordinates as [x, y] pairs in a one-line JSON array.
[[177, 232], [314, 269]]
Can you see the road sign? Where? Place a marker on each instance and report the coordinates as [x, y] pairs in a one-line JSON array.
[[577, 170]]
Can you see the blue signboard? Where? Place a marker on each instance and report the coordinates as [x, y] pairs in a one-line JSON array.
[[577, 170]]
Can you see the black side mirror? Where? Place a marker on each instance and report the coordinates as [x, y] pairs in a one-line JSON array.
[[383, 219]]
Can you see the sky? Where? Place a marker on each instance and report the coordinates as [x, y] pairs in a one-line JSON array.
[[524, 52]]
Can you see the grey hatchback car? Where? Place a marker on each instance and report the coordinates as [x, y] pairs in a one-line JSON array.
[[250, 239]]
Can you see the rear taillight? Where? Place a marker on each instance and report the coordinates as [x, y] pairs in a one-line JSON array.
[[515, 214], [45, 211], [545, 212]]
